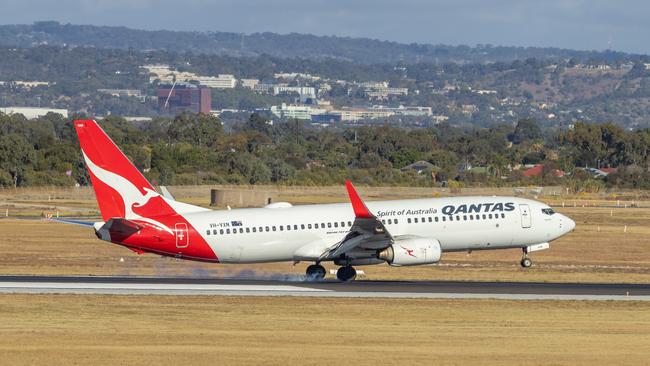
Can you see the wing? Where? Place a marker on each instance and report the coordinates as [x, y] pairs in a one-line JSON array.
[[366, 234], [72, 222]]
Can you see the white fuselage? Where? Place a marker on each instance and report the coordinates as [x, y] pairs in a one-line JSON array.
[[458, 223]]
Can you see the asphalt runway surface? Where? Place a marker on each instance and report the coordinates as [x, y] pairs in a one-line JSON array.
[[327, 288]]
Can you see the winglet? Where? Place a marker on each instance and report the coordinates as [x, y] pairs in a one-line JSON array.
[[360, 209]]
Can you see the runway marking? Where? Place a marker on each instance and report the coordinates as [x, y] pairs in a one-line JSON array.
[[175, 289], [35, 286]]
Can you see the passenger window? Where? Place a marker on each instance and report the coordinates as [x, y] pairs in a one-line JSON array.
[[322, 225], [490, 216], [484, 217], [208, 232], [329, 224], [390, 221], [408, 220], [254, 229], [503, 216], [396, 222], [436, 218], [430, 219], [241, 230], [316, 226], [336, 224], [444, 218], [281, 227], [302, 226], [308, 226], [295, 227], [349, 223], [267, 228], [261, 229], [415, 220], [221, 231], [248, 230], [457, 217], [342, 223], [227, 231], [451, 218]]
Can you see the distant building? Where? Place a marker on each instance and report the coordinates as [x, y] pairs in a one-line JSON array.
[[33, 112], [121, 92], [385, 92], [405, 111], [538, 170], [223, 81], [249, 83], [303, 91], [27, 84], [299, 111], [164, 74], [263, 88], [184, 98]]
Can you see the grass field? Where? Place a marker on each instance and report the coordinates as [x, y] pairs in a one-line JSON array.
[[154, 330]]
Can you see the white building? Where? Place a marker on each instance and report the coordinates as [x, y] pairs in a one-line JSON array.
[[263, 87], [405, 111], [299, 111], [165, 75], [223, 81], [121, 92], [249, 83], [385, 92], [33, 112], [303, 91], [27, 84]]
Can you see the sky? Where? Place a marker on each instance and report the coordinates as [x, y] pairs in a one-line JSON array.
[[577, 24]]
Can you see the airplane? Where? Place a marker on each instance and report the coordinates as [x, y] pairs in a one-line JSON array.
[[398, 232]]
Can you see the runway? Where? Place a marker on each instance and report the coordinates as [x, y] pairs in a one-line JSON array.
[[386, 289]]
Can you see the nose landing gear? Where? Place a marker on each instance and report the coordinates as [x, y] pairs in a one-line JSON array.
[[525, 261]]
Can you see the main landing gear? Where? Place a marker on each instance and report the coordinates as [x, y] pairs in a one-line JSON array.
[[525, 261], [346, 274], [316, 272]]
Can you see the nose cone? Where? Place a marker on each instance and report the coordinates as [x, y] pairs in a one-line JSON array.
[[566, 224]]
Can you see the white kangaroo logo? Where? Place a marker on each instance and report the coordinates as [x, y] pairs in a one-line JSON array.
[[131, 195]]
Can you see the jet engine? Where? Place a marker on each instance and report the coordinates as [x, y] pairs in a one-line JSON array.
[[412, 252]]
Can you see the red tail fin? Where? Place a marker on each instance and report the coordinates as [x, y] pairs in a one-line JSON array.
[[117, 182]]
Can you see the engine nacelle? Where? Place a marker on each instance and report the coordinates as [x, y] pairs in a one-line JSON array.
[[412, 252]]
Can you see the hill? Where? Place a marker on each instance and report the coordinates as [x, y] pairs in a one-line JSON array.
[[360, 50]]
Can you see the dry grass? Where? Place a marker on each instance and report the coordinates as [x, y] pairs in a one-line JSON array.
[[153, 330]]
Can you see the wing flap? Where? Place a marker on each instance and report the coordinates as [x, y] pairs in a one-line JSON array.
[[367, 232]]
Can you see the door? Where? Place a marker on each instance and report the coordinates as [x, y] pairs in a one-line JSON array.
[[526, 220], [182, 237]]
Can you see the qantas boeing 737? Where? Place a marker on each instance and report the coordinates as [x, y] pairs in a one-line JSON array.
[[400, 232]]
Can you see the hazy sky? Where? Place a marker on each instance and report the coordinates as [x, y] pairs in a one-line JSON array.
[[580, 24]]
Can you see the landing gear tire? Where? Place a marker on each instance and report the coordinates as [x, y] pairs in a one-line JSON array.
[[526, 262], [346, 274], [316, 272]]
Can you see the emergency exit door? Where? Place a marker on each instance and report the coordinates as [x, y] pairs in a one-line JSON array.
[[182, 235], [526, 220]]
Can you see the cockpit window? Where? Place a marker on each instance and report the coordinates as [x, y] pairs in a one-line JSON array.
[[548, 211]]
